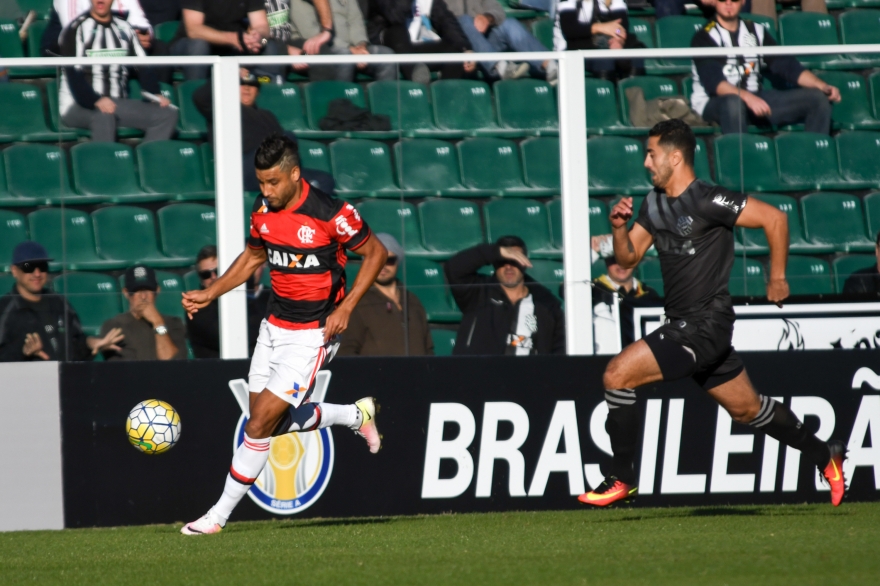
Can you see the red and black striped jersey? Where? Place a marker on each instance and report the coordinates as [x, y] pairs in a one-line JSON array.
[[305, 247]]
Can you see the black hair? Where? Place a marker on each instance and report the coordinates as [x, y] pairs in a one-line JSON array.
[[677, 135], [276, 150], [513, 241], [208, 251]]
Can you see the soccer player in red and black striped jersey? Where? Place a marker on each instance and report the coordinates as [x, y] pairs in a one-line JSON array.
[[304, 234]]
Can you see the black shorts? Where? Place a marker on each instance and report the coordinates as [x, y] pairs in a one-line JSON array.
[[698, 347]]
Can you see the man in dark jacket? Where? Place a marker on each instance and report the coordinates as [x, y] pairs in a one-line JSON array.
[[507, 312], [865, 282], [38, 325]]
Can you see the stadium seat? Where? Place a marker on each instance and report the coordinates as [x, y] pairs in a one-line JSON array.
[[318, 96], [397, 218], [425, 279], [543, 31], [13, 230], [755, 241], [644, 30], [34, 38], [466, 106], [653, 87], [554, 212], [314, 155], [674, 32], [184, 228], [649, 273], [39, 171], [541, 163], [844, 266], [11, 47], [747, 278], [602, 108], [874, 92], [491, 166], [525, 218], [28, 124], [351, 271], [444, 341], [548, 273], [701, 162], [837, 219], [428, 167], [69, 238], [449, 226], [9, 199], [872, 214], [7, 282], [811, 28], [107, 170], [860, 27], [768, 22], [810, 160], [599, 222], [859, 153], [514, 10], [127, 233], [745, 162], [206, 149], [190, 124], [362, 169], [615, 165], [853, 112], [408, 105], [166, 31], [528, 105], [172, 167], [171, 286], [807, 275], [43, 8], [191, 281], [286, 103], [94, 296]]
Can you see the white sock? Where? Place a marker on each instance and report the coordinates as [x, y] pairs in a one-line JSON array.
[[347, 415], [247, 463]]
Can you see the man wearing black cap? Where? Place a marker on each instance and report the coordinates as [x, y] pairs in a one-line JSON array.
[[149, 335], [38, 325]]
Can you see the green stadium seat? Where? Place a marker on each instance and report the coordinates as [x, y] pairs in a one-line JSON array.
[[837, 219], [644, 30], [449, 226], [69, 238], [94, 296], [42, 7], [512, 10], [171, 286], [491, 166], [554, 212], [11, 47], [602, 108], [408, 105], [314, 155], [28, 124], [191, 281], [34, 38], [127, 233], [172, 167], [747, 278], [808, 276], [745, 162], [7, 282], [859, 153], [874, 91], [810, 159], [599, 222], [13, 230], [860, 27], [755, 241], [649, 273], [362, 168], [190, 124], [701, 162], [397, 218], [9, 199], [351, 271], [184, 228], [525, 218], [844, 266], [872, 214], [768, 22], [166, 31], [853, 112], [615, 165], [542, 28], [811, 28], [318, 96], [541, 163], [528, 105], [107, 170], [653, 87], [674, 32], [444, 341], [39, 171], [207, 151], [428, 167], [55, 124], [466, 106], [548, 273], [286, 103], [425, 279]]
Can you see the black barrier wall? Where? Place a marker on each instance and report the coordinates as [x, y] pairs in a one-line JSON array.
[[461, 434]]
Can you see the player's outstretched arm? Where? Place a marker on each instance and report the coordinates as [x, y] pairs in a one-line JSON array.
[[375, 255], [630, 245], [774, 222], [240, 271]]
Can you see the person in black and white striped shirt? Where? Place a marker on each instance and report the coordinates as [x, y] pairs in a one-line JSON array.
[[96, 97]]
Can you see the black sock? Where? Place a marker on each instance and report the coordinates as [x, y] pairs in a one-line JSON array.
[[778, 421], [622, 426]]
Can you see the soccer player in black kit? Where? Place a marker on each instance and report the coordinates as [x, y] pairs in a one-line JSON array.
[[691, 224]]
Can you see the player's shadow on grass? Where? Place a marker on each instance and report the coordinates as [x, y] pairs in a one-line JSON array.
[[718, 511], [298, 524]]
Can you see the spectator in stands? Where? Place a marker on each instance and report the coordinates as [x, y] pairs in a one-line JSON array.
[[66, 11], [730, 91], [506, 312], [97, 97], [767, 8], [349, 37], [420, 26], [36, 324], [256, 125], [620, 282], [389, 320], [490, 31], [865, 281], [601, 24], [203, 330], [149, 335]]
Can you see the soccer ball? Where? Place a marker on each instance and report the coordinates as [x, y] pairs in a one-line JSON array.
[[153, 426]]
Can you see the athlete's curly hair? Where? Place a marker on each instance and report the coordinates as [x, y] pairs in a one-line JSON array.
[[675, 134], [277, 150]]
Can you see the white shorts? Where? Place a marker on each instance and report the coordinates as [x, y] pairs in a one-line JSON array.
[[286, 361]]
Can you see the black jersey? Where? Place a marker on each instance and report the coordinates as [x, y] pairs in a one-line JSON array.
[[693, 234]]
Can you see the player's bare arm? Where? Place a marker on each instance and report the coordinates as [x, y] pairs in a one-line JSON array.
[[629, 245], [375, 255], [240, 271], [774, 222]]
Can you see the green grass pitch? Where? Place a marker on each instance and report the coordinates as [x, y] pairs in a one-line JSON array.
[[802, 544]]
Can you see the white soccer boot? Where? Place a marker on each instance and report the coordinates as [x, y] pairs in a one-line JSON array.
[[368, 430], [207, 524]]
